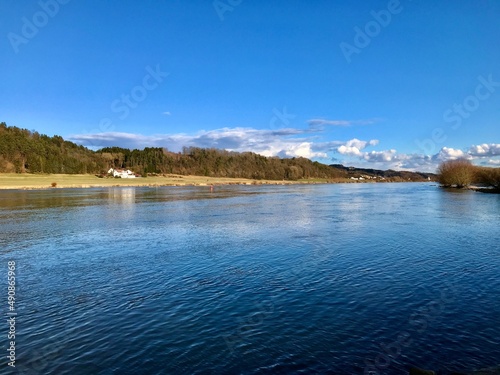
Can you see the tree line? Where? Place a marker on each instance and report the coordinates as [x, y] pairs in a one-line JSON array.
[[25, 151], [216, 163]]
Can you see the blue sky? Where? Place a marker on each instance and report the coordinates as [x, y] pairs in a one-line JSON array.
[[380, 84]]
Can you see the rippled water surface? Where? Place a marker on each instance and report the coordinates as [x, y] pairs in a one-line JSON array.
[[340, 279]]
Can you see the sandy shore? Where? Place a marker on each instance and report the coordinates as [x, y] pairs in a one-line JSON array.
[[51, 181]]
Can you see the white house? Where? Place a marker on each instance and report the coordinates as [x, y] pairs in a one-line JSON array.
[[122, 173]]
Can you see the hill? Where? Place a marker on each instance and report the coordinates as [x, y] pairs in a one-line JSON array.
[[25, 151], [389, 175]]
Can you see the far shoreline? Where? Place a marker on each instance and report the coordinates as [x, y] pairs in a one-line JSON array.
[[13, 181]]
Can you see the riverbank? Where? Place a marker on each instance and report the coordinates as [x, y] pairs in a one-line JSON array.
[[488, 190], [54, 181], [479, 189]]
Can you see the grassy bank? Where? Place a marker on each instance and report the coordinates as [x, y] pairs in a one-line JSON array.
[[49, 181]]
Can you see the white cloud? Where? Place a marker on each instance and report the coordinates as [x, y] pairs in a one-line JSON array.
[[354, 146], [485, 149], [381, 156], [448, 153], [166, 113], [303, 149], [361, 144], [351, 151]]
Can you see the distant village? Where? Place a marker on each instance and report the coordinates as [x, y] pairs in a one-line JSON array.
[[365, 177]]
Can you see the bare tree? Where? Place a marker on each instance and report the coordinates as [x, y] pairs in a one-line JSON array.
[[458, 173], [488, 176]]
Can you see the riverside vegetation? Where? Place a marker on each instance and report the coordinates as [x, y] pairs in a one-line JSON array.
[[463, 174]]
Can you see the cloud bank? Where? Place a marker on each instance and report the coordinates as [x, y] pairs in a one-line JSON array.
[[294, 142], [264, 142]]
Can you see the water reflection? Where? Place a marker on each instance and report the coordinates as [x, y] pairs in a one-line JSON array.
[[458, 205], [125, 196]]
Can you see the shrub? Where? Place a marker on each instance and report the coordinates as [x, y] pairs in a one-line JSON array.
[[459, 173], [488, 176]]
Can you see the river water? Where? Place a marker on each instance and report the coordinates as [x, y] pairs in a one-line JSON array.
[[335, 279]]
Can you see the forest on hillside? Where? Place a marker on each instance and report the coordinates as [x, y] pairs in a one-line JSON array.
[[25, 151]]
